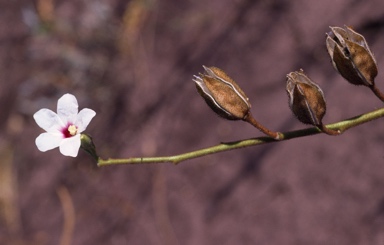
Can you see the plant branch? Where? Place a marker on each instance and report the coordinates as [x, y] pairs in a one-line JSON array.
[[341, 126]]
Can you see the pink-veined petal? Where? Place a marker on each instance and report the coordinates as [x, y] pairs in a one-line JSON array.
[[67, 108], [48, 120], [70, 146], [47, 141], [84, 118]]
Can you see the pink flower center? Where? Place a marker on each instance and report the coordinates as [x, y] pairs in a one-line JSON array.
[[69, 131]]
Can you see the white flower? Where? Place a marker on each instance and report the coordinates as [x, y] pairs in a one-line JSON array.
[[64, 128]]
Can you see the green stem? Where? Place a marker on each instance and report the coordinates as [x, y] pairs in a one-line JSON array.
[[341, 126]]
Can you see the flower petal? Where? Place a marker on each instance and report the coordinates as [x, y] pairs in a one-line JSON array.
[[84, 118], [67, 108], [47, 141], [70, 146], [48, 120]]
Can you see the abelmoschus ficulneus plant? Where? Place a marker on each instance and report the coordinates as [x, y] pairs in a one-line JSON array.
[[350, 55]]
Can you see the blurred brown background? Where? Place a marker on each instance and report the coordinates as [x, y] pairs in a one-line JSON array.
[[132, 62]]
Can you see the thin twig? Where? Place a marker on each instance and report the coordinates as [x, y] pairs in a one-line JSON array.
[[377, 92], [341, 126], [275, 135], [68, 214], [328, 131]]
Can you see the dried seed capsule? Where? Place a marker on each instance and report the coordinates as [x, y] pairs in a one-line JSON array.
[[226, 98], [306, 99], [351, 56], [222, 94]]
